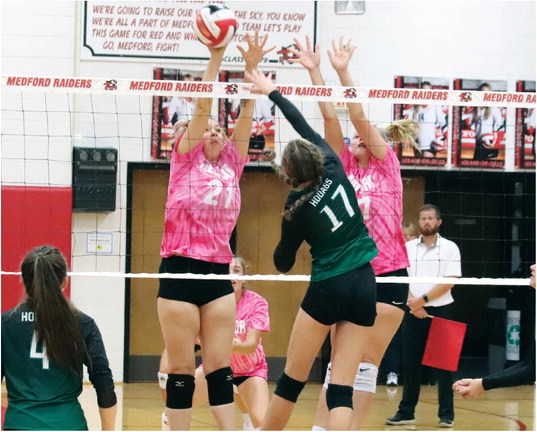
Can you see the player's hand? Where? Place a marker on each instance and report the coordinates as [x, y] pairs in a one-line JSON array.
[[262, 84], [469, 388], [256, 50], [308, 58], [341, 54]]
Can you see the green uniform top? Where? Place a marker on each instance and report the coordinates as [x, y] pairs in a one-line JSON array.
[[330, 221], [41, 395]]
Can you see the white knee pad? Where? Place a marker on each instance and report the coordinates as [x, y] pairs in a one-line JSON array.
[[162, 378], [366, 378], [327, 376]]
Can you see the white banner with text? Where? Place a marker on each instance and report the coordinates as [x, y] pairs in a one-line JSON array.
[[241, 90], [161, 29]]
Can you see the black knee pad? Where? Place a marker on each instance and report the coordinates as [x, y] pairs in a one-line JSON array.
[[338, 396], [179, 391], [288, 388], [220, 386]]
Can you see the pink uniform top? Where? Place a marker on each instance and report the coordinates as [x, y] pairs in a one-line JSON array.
[[379, 191], [203, 204], [252, 313]]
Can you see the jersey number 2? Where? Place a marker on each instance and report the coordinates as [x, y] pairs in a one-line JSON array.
[[38, 355], [217, 188], [333, 218]]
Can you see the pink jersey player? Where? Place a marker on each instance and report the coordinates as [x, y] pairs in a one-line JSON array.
[[201, 211], [252, 314], [248, 361], [248, 358], [203, 204], [373, 169], [380, 195]]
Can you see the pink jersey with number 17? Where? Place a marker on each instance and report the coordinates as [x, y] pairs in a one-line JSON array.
[[379, 191], [203, 204]]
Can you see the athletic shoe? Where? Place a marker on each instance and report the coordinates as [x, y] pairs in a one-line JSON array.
[[399, 419], [445, 422], [391, 379], [164, 422]]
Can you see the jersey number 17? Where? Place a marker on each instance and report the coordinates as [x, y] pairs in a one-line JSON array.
[[336, 223]]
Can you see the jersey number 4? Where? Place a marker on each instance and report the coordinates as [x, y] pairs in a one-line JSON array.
[[333, 218], [38, 355]]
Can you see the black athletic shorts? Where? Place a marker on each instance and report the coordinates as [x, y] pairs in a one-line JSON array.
[[350, 297], [195, 291], [395, 294], [238, 380]]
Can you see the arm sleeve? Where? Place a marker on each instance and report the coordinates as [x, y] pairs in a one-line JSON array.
[[99, 371], [519, 374], [299, 123], [291, 239]]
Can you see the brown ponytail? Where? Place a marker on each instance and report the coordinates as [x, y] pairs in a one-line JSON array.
[[43, 272], [302, 162]]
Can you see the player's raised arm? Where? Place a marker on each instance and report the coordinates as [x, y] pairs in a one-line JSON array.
[[263, 85], [310, 59], [255, 53], [202, 111], [340, 56]]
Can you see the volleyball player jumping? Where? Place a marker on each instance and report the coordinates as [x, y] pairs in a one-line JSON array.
[[202, 208], [322, 210], [373, 169]]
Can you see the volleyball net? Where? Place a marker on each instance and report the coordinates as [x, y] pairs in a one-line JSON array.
[[85, 163]]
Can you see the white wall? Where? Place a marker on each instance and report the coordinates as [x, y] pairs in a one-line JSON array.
[[485, 40]]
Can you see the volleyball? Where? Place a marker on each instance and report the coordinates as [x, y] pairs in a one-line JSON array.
[[215, 25]]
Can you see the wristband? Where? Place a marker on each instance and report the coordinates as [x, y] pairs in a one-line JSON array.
[[425, 298]]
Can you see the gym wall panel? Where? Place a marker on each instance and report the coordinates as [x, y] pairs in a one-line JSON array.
[[32, 216]]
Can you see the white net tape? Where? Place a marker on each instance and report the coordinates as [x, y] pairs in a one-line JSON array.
[[298, 278]]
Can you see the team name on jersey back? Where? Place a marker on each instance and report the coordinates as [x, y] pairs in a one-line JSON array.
[[316, 199], [27, 316]]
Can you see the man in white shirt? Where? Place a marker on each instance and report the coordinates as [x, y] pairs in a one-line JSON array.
[[433, 256]]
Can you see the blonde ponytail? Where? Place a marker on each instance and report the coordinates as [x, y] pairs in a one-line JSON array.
[[404, 131]]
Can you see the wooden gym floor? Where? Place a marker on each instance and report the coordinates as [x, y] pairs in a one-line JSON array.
[[140, 408]]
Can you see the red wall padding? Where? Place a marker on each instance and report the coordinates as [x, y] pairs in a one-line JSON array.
[[32, 216]]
